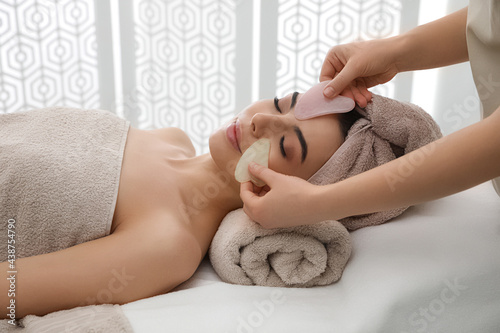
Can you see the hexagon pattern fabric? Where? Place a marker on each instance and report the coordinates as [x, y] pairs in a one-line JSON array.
[[308, 29], [185, 75], [47, 54]]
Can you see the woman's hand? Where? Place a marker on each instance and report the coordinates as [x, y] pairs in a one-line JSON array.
[[355, 67], [285, 201]]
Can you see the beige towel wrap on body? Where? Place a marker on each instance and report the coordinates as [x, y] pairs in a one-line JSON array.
[[59, 176], [105, 318]]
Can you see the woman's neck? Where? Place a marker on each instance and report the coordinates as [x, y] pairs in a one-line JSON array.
[[207, 192]]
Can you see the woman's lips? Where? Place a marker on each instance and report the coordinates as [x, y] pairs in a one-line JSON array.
[[233, 134], [238, 133]]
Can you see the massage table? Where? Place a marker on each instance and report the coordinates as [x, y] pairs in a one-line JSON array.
[[435, 268]]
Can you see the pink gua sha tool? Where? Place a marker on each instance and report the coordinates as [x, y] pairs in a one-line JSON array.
[[314, 104]]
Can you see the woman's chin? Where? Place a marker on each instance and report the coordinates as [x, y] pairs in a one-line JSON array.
[[221, 152]]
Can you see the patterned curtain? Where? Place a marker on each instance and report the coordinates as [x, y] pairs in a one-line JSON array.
[[306, 30], [48, 54], [184, 63]]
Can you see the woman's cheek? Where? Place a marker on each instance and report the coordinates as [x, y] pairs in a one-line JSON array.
[[273, 162], [278, 163]]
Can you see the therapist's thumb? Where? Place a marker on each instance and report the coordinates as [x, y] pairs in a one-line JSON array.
[[340, 82], [265, 174]]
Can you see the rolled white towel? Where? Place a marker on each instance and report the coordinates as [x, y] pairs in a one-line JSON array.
[[242, 252]]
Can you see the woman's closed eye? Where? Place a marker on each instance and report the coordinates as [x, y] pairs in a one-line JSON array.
[[282, 140], [293, 100], [276, 104], [282, 147]]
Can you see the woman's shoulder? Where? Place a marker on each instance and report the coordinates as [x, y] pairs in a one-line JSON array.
[[176, 136]]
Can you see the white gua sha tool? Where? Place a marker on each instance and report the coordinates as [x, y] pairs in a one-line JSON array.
[[314, 104], [258, 152]]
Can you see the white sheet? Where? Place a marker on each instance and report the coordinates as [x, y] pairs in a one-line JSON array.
[[436, 268]]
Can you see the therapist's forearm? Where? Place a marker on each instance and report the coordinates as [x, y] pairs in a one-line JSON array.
[[449, 165], [435, 44]]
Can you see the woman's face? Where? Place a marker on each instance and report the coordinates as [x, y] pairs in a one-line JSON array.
[[298, 147]]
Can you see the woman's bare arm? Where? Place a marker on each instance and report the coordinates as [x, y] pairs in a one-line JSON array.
[[449, 165], [120, 268], [435, 44]]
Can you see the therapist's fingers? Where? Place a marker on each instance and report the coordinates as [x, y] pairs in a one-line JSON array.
[[330, 68], [359, 97], [248, 191], [364, 90], [341, 81], [348, 93], [250, 198], [362, 95], [265, 174]]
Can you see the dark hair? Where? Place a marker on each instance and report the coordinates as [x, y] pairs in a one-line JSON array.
[[347, 120]]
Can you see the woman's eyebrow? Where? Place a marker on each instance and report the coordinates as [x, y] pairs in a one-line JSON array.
[[302, 141], [294, 99]]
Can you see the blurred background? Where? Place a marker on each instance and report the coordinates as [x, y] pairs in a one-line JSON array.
[[194, 64]]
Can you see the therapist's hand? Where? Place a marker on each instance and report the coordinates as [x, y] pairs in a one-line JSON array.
[[284, 202], [355, 67]]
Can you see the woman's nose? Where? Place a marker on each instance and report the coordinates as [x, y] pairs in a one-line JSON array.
[[264, 124]]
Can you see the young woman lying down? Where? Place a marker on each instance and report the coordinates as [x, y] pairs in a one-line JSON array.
[[169, 205]]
